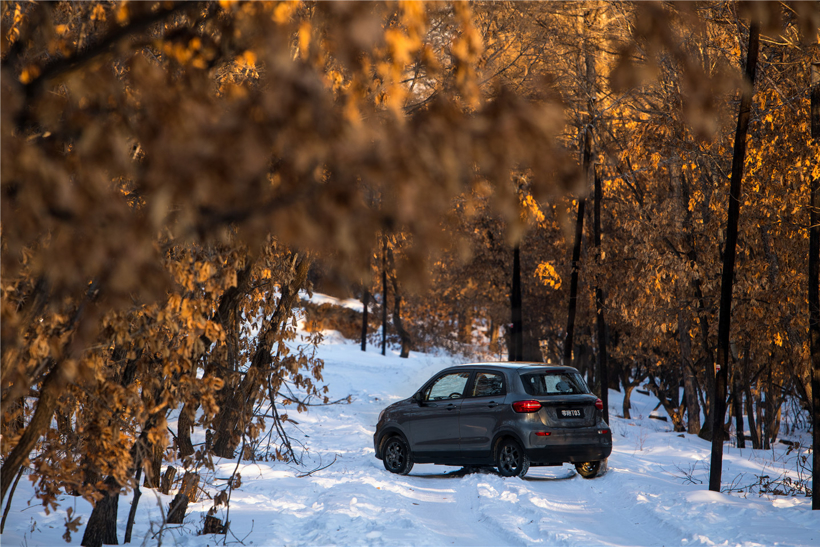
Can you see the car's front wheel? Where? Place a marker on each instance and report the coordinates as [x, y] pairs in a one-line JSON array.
[[590, 470], [511, 459], [397, 457]]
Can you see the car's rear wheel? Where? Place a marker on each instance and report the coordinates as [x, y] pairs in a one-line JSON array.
[[511, 459], [397, 457], [590, 470]]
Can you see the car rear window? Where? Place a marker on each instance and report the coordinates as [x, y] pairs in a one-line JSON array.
[[554, 383]]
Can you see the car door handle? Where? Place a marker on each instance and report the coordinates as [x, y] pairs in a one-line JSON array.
[[451, 406], [492, 404]]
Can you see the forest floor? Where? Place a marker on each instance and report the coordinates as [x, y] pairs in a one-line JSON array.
[[654, 492]]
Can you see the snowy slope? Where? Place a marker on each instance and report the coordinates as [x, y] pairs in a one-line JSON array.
[[644, 499]]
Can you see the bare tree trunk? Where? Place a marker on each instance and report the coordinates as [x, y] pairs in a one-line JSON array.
[[187, 493], [132, 513], [184, 426], [102, 524], [365, 303], [627, 396], [530, 345], [493, 337], [11, 497], [384, 295], [464, 329], [674, 410], [689, 388], [737, 387], [569, 340], [709, 373], [46, 404], [683, 224], [771, 411], [724, 322], [586, 162], [814, 291], [516, 349], [404, 336], [154, 468], [737, 402], [600, 303], [750, 414]]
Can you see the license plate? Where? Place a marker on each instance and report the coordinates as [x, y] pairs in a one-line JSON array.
[[571, 413]]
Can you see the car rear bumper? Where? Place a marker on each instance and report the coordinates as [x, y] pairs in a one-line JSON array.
[[571, 446]]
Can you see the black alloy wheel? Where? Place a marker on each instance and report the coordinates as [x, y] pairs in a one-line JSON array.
[[512, 461], [397, 457]]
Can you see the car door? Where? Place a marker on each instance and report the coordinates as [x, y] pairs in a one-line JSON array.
[[480, 413], [434, 429]]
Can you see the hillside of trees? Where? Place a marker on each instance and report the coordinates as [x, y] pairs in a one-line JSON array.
[[176, 174]]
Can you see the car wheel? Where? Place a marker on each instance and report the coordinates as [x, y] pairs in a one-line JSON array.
[[589, 470], [511, 460], [397, 457]]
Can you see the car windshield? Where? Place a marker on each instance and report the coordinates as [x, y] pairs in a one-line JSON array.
[[554, 383]]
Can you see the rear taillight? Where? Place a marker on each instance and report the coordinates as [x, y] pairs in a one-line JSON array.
[[526, 406], [601, 432], [542, 433], [599, 404]]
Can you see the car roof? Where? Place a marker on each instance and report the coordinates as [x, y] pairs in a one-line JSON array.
[[518, 365]]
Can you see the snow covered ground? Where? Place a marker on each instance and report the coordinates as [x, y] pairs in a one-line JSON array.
[[649, 496]]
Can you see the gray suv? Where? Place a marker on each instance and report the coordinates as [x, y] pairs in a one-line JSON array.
[[508, 415]]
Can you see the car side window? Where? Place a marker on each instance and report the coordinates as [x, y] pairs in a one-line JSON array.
[[487, 384], [449, 386]]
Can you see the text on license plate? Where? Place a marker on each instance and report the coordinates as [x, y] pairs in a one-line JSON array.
[[571, 413]]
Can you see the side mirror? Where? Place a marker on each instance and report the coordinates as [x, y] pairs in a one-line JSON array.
[[418, 397]]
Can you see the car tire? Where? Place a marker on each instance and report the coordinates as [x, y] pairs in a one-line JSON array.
[[590, 470], [511, 459], [396, 456]]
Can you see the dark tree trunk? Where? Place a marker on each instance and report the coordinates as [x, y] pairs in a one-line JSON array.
[[573, 284], [772, 421], [814, 291], [709, 373], [683, 225], [464, 328], [365, 304], [493, 337], [384, 295], [187, 493], [674, 410], [738, 376], [737, 398], [154, 468], [102, 524], [724, 321], [750, 414], [132, 513], [231, 419], [46, 404], [689, 382], [627, 396], [226, 355], [168, 480], [404, 336], [517, 332], [184, 426], [603, 373], [11, 497], [530, 346]]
